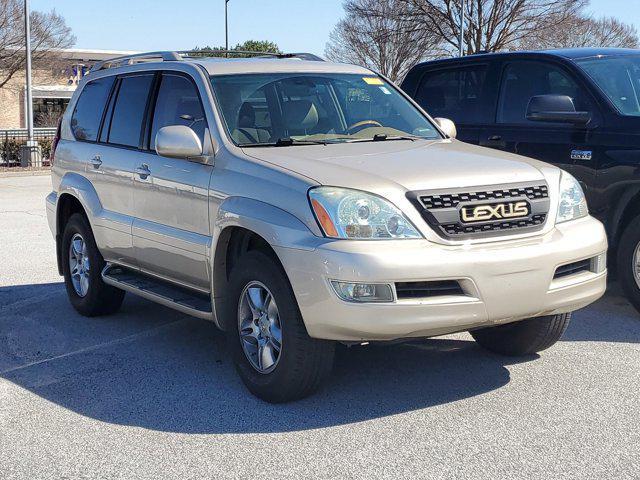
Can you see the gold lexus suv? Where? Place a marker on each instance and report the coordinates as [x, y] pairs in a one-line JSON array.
[[297, 203]]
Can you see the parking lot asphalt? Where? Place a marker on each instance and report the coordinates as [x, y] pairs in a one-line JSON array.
[[151, 393]]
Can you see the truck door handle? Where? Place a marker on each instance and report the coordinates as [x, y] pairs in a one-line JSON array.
[[143, 171], [494, 138], [96, 161]]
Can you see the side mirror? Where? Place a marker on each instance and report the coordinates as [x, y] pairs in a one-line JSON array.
[[555, 108], [447, 126], [178, 141]]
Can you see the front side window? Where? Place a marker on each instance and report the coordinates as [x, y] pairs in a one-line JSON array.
[[261, 109], [454, 94], [178, 103], [129, 110], [619, 79], [523, 80], [87, 114]]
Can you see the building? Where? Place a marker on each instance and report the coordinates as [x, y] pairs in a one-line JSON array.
[[54, 80]]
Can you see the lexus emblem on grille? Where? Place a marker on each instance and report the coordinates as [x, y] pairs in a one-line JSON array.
[[494, 211]]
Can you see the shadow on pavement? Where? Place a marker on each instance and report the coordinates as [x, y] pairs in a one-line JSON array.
[[154, 368]]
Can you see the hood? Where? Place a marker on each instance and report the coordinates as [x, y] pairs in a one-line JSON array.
[[417, 165]]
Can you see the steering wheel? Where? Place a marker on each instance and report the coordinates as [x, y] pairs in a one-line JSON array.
[[360, 125]]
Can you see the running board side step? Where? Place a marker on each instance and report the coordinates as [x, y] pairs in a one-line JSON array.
[[179, 298]]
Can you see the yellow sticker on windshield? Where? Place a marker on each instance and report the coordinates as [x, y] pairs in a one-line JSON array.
[[373, 80]]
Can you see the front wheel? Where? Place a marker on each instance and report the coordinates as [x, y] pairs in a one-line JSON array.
[[272, 351], [524, 337], [628, 262]]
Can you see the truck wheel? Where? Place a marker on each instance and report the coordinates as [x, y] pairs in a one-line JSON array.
[[524, 337], [82, 267], [628, 262], [274, 355]]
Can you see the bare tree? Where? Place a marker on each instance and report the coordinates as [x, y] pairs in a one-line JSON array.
[[49, 32], [586, 31], [490, 25], [380, 34]]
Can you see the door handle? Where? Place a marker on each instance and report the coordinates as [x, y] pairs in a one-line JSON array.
[[143, 171], [494, 141], [96, 161]]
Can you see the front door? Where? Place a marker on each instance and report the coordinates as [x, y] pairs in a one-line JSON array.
[[171, 234], [564, 145]]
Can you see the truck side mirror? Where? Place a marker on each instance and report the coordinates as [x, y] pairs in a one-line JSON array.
[[555, 108], [447, 126]]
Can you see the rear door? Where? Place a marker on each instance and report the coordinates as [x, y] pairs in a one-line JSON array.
[[171, 234], [460, 93], [555, 143], [113, 162]]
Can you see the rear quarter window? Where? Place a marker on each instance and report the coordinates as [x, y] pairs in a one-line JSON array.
[[87, 114]]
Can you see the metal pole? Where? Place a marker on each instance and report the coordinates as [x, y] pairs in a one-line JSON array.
[[226, 29], [27, 36], [461, 53]]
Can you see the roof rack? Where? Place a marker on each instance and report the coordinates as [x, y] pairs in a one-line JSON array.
[[180, 55]]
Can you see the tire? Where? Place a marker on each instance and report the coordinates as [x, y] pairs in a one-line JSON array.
[[93, 297], [625, 262], [302, 363], [525, 337]]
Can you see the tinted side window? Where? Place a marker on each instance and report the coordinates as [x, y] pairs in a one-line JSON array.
[[453, 93], [178, 104], [523, 80], [87, 114], [129, 110]]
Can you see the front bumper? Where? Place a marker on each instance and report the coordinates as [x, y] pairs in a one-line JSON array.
[[503, 282]]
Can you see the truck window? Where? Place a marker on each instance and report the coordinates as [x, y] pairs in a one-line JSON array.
[[178, 103], [129, 110], [87, 114], [523, 80], [619, 78], [453, 93]]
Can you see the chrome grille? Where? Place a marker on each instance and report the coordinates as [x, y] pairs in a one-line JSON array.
[[448, 200], [443, 210]]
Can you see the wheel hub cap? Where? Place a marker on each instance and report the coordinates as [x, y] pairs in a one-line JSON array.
[[259, 327], [79, 266]]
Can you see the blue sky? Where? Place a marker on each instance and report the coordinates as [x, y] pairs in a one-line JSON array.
[[295, 25]]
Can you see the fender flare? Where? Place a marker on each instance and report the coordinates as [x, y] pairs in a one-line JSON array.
[[277, 226], [81, 189]]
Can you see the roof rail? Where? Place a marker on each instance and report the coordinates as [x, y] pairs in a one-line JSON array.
[[136, 58], [171, 56], [208, 53]]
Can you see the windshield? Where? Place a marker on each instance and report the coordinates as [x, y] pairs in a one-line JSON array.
[[294, 108], [619, 78]]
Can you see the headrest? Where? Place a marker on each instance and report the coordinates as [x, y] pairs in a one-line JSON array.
[[300, 114], [246, 116]]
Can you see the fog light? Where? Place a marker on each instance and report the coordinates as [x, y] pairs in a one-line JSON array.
[[363, 292], [599, 263]]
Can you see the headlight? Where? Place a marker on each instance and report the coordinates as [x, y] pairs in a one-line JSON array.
[[345, 213], [572, 203]]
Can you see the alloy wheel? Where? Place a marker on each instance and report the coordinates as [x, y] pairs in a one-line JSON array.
[[260, 327], [79, 265]]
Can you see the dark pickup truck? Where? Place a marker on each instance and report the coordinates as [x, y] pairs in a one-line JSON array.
[[578, 109]]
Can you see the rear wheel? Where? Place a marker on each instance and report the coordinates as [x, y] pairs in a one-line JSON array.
[[524, 337], [628, 262], [274, 355], [82, 267]]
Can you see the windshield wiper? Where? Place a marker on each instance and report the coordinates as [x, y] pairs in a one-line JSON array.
[[381, 137], [284, 142]]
